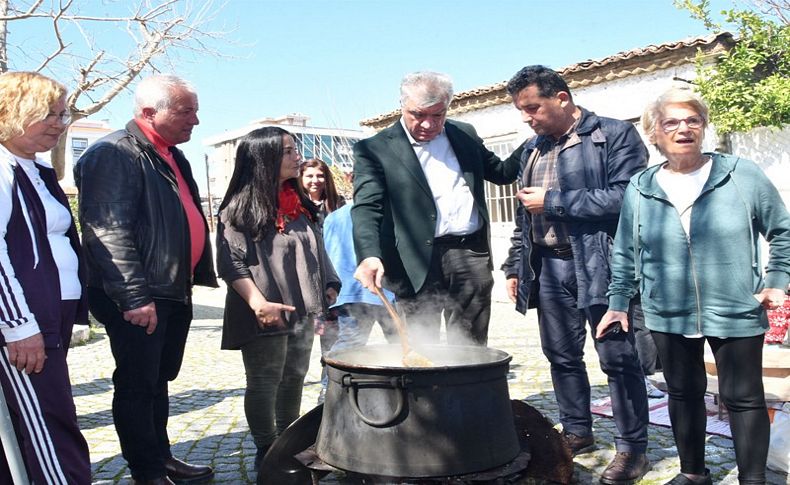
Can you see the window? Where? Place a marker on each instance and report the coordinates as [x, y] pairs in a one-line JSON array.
[[326, 142], [342, 153], [304, 143], [78, 145], [501, 199]]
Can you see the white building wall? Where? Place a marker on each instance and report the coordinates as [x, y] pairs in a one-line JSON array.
[[495, 121], [625, 98], [769, 148]]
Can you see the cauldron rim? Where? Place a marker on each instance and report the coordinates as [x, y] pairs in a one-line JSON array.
[[495, 357]]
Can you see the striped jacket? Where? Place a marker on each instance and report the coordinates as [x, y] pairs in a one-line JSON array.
[[29, 284]]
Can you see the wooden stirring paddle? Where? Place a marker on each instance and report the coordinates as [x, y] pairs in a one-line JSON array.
[[411, 358]]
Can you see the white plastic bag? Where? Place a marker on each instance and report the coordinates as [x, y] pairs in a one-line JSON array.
[[779, 448]]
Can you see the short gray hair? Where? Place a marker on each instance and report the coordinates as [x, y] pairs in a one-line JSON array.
[[674, 95], [426, 88], [157, 92]]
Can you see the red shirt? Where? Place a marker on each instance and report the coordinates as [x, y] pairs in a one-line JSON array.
[[197, 233]]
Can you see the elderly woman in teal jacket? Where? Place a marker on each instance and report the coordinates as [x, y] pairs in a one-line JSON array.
[[688, 239]]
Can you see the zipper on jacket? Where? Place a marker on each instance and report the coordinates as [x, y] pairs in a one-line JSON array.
[[533, 275], [163, 168], [696, 283], [30, 229], [703, 192]]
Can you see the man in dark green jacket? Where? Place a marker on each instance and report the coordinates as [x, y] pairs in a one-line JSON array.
[[420, 216]]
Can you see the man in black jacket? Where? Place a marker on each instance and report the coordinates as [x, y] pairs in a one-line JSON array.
[[146, 244], [573, 176]]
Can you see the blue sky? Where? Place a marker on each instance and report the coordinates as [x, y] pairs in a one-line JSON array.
[[340, 61]]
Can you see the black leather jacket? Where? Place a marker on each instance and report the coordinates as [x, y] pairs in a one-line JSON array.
[[134, 229]]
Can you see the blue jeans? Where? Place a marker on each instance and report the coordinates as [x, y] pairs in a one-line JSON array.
[[355, 322], [563, 331]]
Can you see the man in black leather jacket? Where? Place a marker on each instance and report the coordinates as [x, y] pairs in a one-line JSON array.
[[146, 243]]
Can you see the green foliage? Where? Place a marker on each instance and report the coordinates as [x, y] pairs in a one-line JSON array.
[[749, 86], [74, 206]]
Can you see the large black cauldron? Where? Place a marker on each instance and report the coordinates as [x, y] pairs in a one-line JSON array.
[[381, 418]]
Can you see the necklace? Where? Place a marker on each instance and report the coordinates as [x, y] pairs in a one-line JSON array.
[[29, 167]]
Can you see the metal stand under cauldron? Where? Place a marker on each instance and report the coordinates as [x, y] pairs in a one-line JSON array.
[[509, 473], [292, 459]]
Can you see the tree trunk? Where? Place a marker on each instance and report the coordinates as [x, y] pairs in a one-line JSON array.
[[3, 35], [58, 154]]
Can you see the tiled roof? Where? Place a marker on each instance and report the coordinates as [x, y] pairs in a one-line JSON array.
[[593, 71]]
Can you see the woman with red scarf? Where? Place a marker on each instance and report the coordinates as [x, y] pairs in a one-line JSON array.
[[272, 258]]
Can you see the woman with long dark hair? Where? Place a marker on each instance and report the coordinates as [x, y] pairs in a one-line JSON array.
[[272, 257]]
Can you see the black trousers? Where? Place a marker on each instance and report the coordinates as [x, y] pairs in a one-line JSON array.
[[144, 364], [459, 286], [739, 369], [42, 410]]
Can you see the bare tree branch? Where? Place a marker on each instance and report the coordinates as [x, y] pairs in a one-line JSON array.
[[31, 12], [61, 46], [104, 65], [778, 8]]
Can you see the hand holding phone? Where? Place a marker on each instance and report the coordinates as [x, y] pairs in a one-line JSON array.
[[613, 329]]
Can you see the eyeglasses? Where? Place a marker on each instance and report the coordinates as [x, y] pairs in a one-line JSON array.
[[671, 124], [64, 117]]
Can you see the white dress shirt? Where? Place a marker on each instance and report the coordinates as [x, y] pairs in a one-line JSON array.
[[455, 205]]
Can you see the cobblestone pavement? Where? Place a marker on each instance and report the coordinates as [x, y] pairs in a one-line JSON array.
[[207, 422]]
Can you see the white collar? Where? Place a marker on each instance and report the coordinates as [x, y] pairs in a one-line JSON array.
[[411, 139]]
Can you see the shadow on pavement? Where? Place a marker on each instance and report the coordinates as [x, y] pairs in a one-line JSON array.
[[236, 465], [181, 403], [193, 399], [514, 371], [96, 386], [205, 312]]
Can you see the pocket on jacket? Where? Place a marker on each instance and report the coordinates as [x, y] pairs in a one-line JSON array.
[[728, 293], [669, 292]]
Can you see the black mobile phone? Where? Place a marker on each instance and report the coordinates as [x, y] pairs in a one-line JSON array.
[[613, 329]]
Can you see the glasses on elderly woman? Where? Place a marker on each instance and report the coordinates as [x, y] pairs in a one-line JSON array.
[[671, 124], [64, 117]]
